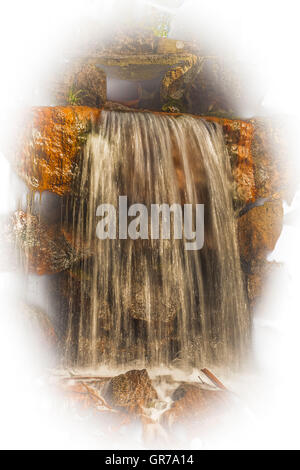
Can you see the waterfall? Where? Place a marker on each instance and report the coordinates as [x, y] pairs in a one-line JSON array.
[[146, 300]]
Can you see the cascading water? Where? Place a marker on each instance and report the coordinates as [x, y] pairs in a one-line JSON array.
[[146, 300]]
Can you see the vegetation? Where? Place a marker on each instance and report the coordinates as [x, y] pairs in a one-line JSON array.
[[74, 96], [162, 27]]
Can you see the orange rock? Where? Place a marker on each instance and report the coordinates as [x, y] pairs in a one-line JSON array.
[[77, 393], [49, 149], [193, 405], [259, 230], [238, 137]]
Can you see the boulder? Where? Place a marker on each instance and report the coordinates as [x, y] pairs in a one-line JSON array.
[[259, 230], [48, 154], [131, 391], [43, 249], [194, 404]]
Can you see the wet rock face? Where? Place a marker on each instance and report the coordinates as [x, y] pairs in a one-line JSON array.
[[49, 160], [238, 137], [131, 391], [49, 155], [259, 230], [273, 169], [274, 179], [49, 151], [43, 249], [194, 405]]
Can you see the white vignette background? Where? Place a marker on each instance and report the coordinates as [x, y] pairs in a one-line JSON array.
[[266, 36]]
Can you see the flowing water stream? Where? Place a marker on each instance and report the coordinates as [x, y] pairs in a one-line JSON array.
[[151, 300]]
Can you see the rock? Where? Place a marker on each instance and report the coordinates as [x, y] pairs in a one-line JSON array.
[[77, 393], [154, 435], [132, 391], [43, 249], [48, 154], [136, 304], [115, 106], [194, 404], [8, 257], [238, 137], [257, 278], [258, 232], [88, 402], [179, 77], [38, 335], [128, 40], [40, 323], [273, 168], [218, 88], [80, 84], [90, 82]]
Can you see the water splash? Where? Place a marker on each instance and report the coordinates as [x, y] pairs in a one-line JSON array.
[[152, 301]]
